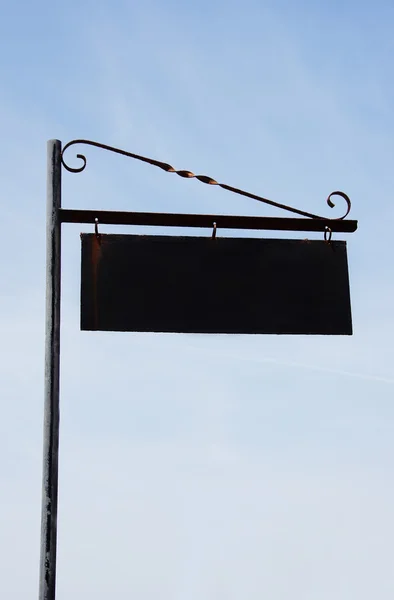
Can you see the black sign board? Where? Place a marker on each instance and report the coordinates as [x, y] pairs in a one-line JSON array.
[[222, 285]]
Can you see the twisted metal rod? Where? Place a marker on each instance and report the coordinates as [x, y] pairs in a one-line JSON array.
[[203, 178]]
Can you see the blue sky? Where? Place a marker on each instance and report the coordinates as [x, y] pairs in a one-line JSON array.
[[200, 467]]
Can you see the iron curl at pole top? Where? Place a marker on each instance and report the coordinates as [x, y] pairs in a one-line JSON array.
[[203, 178]]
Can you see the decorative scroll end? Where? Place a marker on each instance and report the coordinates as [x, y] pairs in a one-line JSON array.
[[331, 204], [74, 169]]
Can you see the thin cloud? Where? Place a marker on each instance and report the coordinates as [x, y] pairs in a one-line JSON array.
[[293, 364]]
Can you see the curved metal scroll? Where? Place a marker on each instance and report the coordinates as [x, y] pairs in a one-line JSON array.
[[203, 178]]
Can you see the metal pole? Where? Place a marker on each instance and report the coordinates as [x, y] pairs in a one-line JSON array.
[[47, 588]]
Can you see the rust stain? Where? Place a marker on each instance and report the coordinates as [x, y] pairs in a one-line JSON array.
[[96, 256]]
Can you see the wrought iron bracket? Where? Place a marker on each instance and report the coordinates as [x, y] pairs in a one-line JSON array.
[[311, 222]]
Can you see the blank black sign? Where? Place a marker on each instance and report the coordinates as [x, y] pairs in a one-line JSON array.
[[222, 285]]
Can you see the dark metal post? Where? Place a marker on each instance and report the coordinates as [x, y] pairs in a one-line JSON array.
[[52, 362]]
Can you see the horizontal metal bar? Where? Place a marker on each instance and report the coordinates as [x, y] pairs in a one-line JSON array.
[[110, 217]]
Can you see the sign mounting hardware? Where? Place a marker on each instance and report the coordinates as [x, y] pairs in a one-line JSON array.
[[184, 284]]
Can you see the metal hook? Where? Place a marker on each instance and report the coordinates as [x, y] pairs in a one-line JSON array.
[[214, 231], [327, 234], [96, 231]]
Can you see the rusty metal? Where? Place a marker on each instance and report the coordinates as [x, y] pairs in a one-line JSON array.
[[110, 217], [327, 234], [96, 231], [203, 178]]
